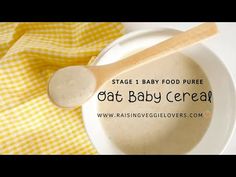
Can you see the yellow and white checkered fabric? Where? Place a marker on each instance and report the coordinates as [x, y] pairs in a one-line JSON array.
[[29, 54]]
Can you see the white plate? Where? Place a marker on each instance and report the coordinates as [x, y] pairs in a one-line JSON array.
[[222, 125]]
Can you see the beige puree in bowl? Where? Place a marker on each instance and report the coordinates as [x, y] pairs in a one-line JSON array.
[[159, 133]]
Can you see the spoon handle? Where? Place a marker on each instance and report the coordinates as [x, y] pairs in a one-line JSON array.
[[167, 47]]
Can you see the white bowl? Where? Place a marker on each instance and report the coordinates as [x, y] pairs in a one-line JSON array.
[[223, 121]]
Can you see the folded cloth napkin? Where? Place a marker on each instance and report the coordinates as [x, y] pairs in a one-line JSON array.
[[29, 54]]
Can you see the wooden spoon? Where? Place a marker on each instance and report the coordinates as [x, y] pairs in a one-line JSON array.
[[71, 86]]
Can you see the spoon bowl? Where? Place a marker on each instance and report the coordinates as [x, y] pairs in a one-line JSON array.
[[81, 82]]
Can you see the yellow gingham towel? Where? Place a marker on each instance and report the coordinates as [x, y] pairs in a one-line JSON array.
[[29, 54]]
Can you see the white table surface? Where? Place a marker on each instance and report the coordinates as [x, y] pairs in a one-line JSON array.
[[223, 45]]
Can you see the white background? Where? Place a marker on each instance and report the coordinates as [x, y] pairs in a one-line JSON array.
[[223, 45]]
